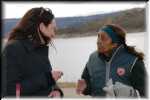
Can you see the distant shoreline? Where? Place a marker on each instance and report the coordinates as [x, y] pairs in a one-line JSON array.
[[78, 35], [67, 84]]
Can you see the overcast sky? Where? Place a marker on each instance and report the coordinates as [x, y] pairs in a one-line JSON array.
[[66, 9]]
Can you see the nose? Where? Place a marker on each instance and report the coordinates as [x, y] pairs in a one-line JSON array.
[[53, 35]]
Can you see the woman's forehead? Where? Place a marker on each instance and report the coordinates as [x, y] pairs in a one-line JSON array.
[[102, 33]]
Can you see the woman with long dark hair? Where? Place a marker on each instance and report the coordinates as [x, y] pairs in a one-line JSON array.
[[115, 69], [26, 70]]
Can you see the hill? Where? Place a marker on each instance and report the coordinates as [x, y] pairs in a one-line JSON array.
[[133, 20]]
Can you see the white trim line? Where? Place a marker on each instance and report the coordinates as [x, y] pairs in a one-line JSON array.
[[115, 53], [133, 64], [109, 63]]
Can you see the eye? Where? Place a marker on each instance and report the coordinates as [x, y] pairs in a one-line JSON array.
[[103, 37]]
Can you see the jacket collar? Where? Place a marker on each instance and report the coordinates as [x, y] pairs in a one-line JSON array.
[[113, 54], [116, 51], [30, 46]]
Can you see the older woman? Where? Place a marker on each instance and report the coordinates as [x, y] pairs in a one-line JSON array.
[[114, 65]]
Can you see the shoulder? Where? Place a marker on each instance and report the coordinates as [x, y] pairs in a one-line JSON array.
[[93, 57], [139, 63], [138, 66], [13, 46], [94, 54]]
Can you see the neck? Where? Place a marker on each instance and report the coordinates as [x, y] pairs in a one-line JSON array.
[[108, 54]]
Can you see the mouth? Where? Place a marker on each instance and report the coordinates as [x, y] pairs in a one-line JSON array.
[[99, 45], [100, 48]]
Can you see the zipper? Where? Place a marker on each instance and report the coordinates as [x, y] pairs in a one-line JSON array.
[[109, 63], [107, 71]]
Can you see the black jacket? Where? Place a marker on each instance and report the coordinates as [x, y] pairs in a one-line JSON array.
[[28, 65]]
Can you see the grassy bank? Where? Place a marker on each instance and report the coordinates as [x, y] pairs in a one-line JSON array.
[[67, 84]]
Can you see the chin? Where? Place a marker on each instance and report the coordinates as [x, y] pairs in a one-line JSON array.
[[102, 51], [99, 50]]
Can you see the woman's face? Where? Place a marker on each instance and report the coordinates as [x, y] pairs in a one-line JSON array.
[[49, 31], [104, 43]]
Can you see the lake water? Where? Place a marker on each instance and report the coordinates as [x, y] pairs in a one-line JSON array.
[[72, 54]]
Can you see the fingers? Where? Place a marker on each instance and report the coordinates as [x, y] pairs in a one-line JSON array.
[[81, 85], [57, 74], [79, 91], [54, 94], [50, 95]]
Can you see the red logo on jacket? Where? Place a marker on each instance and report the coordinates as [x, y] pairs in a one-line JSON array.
[[120, 71]]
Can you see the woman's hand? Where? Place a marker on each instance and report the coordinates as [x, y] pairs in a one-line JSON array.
[[56, 74], [81, 85], [55, 94]]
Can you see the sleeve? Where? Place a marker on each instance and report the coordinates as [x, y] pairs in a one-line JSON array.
[[12, 75], [57, 88], [10, 71], [34, 84], [86, 77], [138, 77]]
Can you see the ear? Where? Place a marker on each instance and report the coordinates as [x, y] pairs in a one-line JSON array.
[[42, 27]]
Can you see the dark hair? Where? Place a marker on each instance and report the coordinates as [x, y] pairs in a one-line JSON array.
[[122, 34], [27, 27]]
